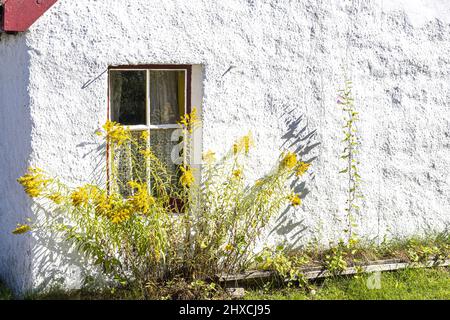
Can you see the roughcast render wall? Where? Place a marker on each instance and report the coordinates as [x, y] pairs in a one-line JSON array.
[[285, 62]]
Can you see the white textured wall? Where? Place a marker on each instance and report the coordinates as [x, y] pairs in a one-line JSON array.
[[287, 59]]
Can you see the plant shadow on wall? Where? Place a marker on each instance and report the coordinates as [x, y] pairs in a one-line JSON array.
[[302, 141], [152, 229], [55, 260]]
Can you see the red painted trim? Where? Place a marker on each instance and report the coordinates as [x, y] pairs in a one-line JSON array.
[[153, 66], [19, 15], [189, 89], [108, 184]]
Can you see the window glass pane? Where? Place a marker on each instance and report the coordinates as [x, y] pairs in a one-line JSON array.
[[128, 96], [130, 163], [166, 150], [167, 96]]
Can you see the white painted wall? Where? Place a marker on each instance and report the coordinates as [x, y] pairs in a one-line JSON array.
[[15, 149], [287, 59]]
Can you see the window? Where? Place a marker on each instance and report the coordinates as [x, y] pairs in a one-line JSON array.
[[152, 99]]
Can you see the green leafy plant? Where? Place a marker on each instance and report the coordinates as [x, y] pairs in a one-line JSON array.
[[422, 252], [349, 154], [152, 225], [337, 257], [287, 266]]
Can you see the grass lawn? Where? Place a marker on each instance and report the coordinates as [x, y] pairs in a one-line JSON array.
[[5, 294], [410, 284]]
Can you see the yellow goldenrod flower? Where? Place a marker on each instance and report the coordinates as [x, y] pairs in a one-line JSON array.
[[237, 173], [141, 200], [259, 182], [187, 178], [80, 197], [34, 182], [121, 214], [56, 197], [289, 161], [209, 157], [190, 120], [103, 203], [243, 144], [302, 168], [295, 200], [247, 142], [147, 153], [144, 135], [21, 228], [116, 133], [236, 148]]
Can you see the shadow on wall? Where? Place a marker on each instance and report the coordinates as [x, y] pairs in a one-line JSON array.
[[302, 141], [57, 264], [37, 261], [15, 149]]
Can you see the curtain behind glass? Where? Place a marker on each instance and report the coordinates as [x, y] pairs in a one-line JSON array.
[[165, 99]]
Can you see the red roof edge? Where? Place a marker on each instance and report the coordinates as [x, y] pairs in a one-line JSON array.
[[19, 15]]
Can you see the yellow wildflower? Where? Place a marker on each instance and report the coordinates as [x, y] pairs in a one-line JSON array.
[[243, 144], [148, 154], [209, 157], [247, 142], [236, 148], [144, 135], [289, 161], [34, 182], [295, 200], [190, 120], [56, 197], [120, 215], [80, 197], [21, 228], [103, 203], [141, 200], [229, 247], [187, 178], [302, 168], [259, 182], [116, 133], [237, 173]]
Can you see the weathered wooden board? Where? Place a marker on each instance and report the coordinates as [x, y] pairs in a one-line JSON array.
[[319, 272]]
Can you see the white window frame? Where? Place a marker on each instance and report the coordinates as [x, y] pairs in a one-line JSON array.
[[148, 126]]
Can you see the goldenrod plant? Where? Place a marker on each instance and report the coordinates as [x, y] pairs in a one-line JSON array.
[[152, 225]]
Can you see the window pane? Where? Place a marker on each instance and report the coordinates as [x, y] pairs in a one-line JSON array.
[[167, 96], [165, 150], [130, 163], [128, 97]]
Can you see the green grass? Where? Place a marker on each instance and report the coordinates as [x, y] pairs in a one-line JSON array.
[[409, 284], [5, 294]]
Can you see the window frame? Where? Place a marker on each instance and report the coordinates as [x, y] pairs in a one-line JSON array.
[[148, 126]]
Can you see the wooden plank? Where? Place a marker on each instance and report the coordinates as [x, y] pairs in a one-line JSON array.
[[318, 272]]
